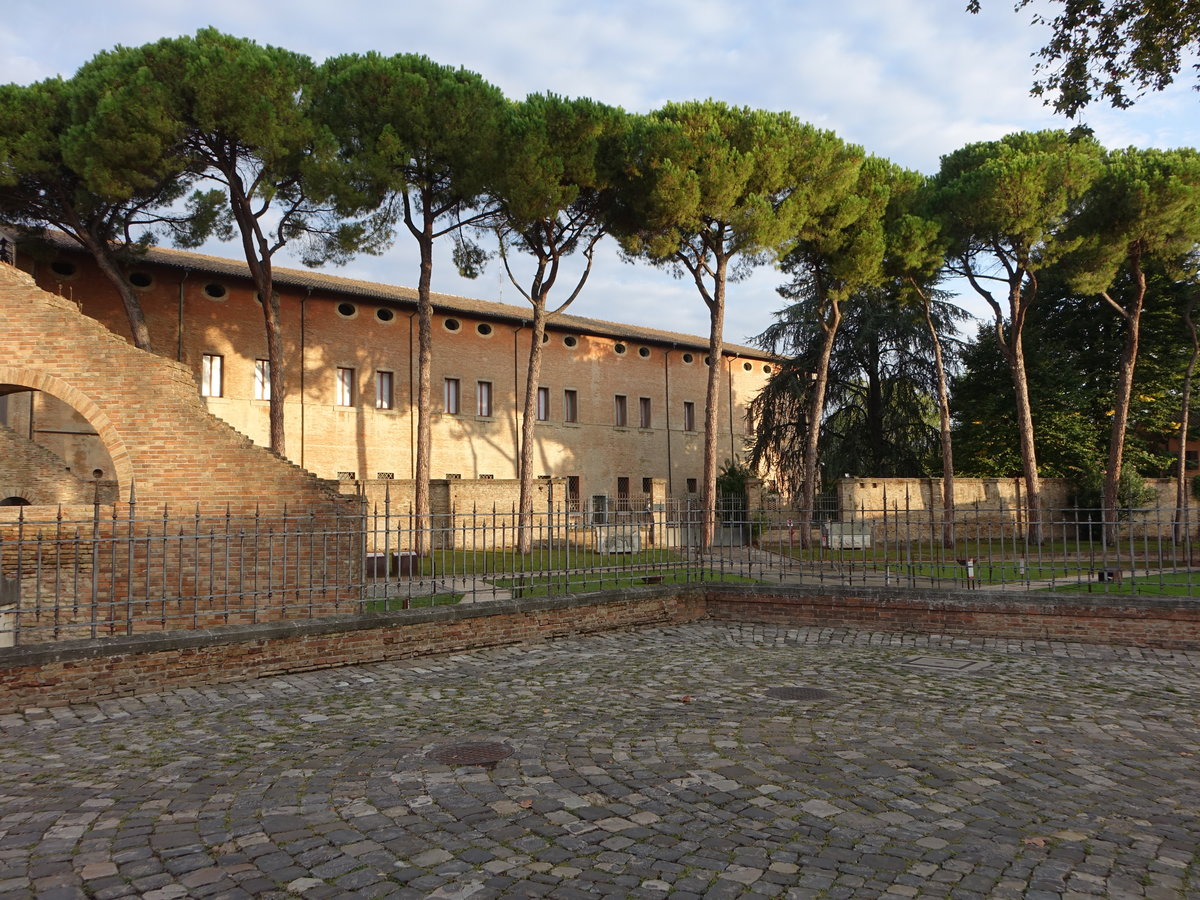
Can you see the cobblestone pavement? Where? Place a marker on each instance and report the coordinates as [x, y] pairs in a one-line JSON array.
[[643, 764]]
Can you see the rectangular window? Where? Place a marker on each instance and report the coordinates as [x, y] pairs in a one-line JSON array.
[[691, 485], [620, 415], [384, 396], [647, 483], [570, 406], [212, 375], [623, 488], [262, 379], [643, 412], [573, 493], [543, 404], [689, 415], [345, 387], [452, 396], [483, 394]]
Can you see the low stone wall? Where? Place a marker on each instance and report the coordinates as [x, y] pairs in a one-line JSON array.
[[1108, 619], [93, 670]]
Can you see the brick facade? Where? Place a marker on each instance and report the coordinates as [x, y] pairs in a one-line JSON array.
[[145, 409], [197, 305]]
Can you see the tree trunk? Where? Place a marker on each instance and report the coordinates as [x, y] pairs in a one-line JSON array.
[[948, 539], [1124, 392], [716, 344], [275, 365], [258, 259], [816, 408], [1033, 487], [525, 472], [875, 408], [138, 328], [1181, 487], [422, 531]]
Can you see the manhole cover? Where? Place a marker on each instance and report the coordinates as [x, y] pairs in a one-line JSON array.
[[470, 753], [797, 693], [944, 664]]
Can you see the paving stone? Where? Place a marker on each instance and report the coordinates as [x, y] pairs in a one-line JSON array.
[[1062, 772]]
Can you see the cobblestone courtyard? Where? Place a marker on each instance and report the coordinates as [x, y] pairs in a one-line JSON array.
[[644, 764]]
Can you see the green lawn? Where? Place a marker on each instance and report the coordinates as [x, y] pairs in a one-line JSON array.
[[1173, 584], [1051, 555], [986, 573], [423, 601], [508, 561], [582, 582]]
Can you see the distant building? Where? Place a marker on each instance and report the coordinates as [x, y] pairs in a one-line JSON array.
[[618, 407]]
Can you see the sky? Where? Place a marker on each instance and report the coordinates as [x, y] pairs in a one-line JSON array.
[[909, 80]]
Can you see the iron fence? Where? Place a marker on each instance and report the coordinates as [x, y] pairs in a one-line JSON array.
[[113, 573]]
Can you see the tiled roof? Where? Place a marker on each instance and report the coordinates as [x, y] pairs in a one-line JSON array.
[[407, 297]]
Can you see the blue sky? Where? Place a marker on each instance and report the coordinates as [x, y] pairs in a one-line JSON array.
[[909, 80]]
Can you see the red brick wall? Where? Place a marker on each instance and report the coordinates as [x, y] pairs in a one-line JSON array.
[[37, 475], [144, 407]]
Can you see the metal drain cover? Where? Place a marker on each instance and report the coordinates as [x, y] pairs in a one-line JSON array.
[[797, 693], [944, 664], [470, 753]]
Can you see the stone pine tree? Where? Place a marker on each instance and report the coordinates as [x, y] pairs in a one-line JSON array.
[[422, 138], [709, 190], [1003, 207], [106, 190], [839, 253], [1143, 209], [246, 118], [550, 197]]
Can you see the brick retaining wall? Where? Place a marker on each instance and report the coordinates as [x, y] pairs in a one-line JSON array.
[[1167, 622], [93, 670]]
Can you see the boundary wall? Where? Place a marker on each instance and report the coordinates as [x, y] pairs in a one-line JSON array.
[[90, 671]]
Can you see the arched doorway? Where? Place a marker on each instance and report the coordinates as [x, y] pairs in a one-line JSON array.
[[57, 447]]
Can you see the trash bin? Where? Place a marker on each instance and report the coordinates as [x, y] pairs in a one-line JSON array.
[[377, 566], [405, 563]]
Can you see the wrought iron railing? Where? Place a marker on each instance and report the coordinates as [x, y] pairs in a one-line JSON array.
[[82, 573]]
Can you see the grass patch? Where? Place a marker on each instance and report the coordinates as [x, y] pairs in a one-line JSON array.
[[999, 551], [582, 582], [448, 563], [988, 573], [1167, 584], [389, 604]]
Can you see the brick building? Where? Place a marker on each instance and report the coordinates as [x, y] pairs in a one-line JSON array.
[[619, 406]]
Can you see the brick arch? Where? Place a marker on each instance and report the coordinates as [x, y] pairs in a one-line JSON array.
[[145, 408], [83, 404]]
